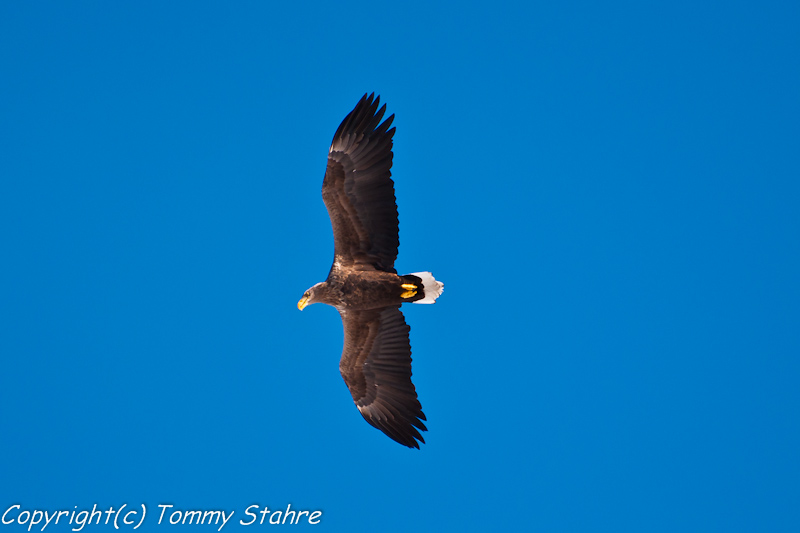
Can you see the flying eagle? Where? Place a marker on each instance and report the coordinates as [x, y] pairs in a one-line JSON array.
[[362, 283]]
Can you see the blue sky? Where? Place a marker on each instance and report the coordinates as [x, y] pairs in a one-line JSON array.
[[609, 193]]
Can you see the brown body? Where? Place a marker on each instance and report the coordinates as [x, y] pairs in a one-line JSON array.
[[369, 290]]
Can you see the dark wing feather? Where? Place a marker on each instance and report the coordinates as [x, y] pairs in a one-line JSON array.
[[358, 190], [376, 366]]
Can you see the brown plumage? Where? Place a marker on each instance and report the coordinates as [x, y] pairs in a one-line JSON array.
[[362, 283]]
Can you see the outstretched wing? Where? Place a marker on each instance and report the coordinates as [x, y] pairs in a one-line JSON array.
[[376, 366], [358, 190]]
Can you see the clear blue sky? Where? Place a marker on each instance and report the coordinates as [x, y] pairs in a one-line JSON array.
[[611, 195]]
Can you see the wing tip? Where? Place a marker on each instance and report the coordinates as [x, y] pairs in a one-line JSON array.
[[365, 118]]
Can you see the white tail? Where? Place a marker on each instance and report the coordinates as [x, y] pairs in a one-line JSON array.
[[432, 288]]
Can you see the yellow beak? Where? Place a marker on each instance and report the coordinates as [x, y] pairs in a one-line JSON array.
[[302, 303]]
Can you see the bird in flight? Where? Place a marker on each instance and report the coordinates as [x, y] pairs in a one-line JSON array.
[[363, 283]]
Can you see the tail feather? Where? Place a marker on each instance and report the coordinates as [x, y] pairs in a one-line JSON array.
[[432, 288]]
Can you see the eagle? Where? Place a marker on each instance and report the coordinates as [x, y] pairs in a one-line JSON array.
[[363, 284]]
